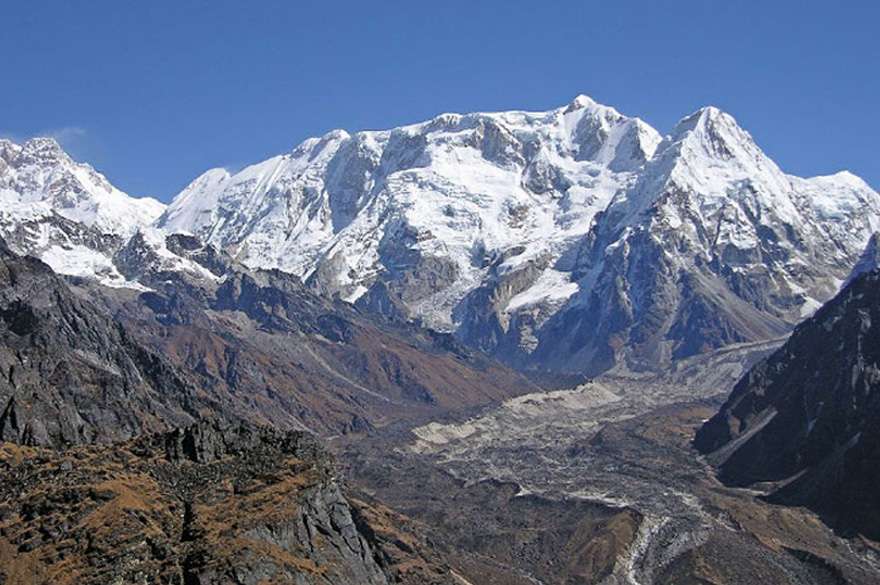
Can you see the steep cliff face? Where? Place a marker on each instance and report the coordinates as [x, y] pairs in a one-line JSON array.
[[807, 419], [72, 374], [208, 504]]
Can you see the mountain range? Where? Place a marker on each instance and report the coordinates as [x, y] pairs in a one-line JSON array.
[[573, 240]]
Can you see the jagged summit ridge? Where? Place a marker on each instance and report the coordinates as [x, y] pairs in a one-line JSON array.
[[713, 244], [475, 181]]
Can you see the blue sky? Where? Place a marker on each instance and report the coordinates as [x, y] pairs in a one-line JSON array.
[[153, 93]]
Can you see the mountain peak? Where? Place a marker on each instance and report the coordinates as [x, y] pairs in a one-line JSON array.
[[579, 102], [42, 142], [39, 181], [40, 149], [336, 134], [708, 119], [44, 148], [847, 178], [312, 147], [8, 150], [588, 104], [711, 134]]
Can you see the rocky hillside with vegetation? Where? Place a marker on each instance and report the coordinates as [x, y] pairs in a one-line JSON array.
[[207, 504]]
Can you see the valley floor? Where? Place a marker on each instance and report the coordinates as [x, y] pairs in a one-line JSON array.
[[598, 484]]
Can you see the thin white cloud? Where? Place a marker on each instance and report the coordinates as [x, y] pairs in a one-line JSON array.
[[4, 135], [67, 136]]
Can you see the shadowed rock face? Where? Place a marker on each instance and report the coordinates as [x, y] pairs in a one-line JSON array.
[[83, 363], [208, 504], [273, 352], [71, 374], [808, 417]]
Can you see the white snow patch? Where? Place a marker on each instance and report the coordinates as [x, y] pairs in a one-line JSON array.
[[551, 286]]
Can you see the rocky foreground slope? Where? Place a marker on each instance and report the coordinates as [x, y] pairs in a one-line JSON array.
[[805, 423], [71, 373], [208, 504], [216, 501]]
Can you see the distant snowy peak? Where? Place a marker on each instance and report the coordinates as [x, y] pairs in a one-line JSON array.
[[604, 135], [38, 175], [711, 170], [65, 212], [708, 152], [195, 206]]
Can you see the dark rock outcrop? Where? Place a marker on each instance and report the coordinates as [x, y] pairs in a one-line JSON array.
[[806, 421]]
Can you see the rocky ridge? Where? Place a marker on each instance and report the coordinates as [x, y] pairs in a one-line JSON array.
[[802, 425], [71, 373]]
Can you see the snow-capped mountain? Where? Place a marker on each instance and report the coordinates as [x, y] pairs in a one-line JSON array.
[[428, 207], [65, 212], [712, 245], [576, 237]]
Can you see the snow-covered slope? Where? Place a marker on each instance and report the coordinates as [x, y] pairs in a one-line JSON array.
[[868, 261], [575, 237], [428, 207], [712, 245], [65, 212]]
